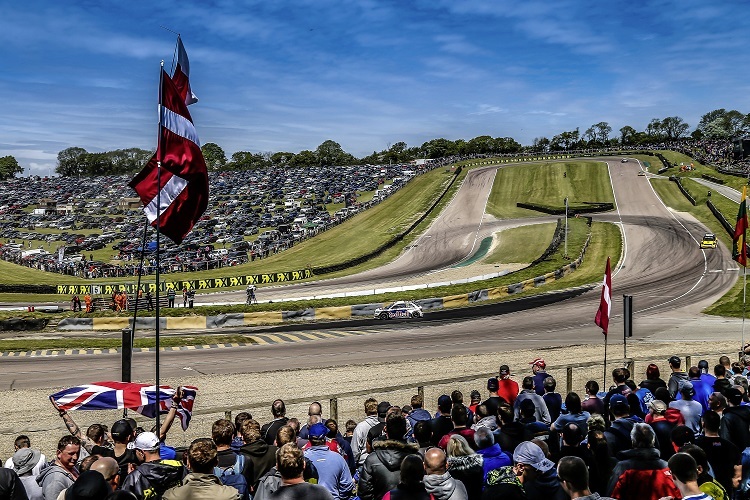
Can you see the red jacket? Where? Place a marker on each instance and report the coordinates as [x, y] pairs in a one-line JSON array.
[[642, 475], [467, 433], [508, 390]]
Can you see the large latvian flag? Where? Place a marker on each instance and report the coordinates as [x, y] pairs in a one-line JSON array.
[[605, 302], [184, 180], [739, 246]]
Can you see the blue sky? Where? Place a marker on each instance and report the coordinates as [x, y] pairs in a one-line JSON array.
[[288, 75]]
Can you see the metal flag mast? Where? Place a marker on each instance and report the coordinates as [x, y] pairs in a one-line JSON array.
[[157, 402]]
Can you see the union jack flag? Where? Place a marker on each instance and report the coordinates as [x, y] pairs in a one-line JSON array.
[[120, 395]]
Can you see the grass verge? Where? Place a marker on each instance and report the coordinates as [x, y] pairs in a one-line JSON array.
[[521, 244], [115, 343]]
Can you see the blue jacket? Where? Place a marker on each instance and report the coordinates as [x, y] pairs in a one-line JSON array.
[[702, 391], [494, 458], [333, 471]]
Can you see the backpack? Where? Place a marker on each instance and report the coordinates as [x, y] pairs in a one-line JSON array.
[[232, 476]]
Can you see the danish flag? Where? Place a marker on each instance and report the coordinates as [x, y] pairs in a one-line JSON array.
[[605, 302], [121, 395], [182, 190]]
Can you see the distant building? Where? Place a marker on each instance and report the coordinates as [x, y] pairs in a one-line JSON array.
[[50, 206], [129, 204]]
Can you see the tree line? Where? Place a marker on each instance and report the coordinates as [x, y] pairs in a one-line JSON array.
[[718, 124]]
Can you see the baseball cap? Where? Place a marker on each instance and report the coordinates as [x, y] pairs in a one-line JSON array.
[[531, 454], [146, 441], [318, 430], [674, 360], [703, 366], [504, 370], [476, 395], [539, 362], [445, 403], [687, 389], [658, 406], [121, 429], [620, 402], [734, 396], [492, 384], [383, 407]]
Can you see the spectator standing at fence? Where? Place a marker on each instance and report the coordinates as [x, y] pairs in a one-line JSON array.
[[507, 387], [620, 378], [170, 297], [528, 393], [494, 399], [592, 403], [677, 378], [290, 463], [191, 298], [149, 300], [460, 426], [722, 382], [260, 454], [418, 413], [359, 437], [706, 377], [184, 296], [691, 410], [201, 483], [552, 399], [701, 389], [575, 415], [539, 369], [333, 471], [653, 379]]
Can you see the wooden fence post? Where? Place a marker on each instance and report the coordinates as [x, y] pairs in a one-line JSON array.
[[688, 362], [334, 409], [569, 379], [228, 415], [420, 391]]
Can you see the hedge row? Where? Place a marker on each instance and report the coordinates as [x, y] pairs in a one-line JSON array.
[[27, 288]]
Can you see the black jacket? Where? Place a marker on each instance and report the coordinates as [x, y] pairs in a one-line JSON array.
[[735, 426], [152, 479], [262, 457], [382, 469], [468, 469], [11, 487]]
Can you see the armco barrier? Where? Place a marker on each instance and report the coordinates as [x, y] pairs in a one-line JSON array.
[[76, 324]]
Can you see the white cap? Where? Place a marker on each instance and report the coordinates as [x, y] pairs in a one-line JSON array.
[[146, 441]]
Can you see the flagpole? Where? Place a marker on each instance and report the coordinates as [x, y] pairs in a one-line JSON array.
[[157, 404], [604, 375], [744, 301], [138, 285]]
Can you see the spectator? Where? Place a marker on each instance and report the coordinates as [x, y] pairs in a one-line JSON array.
[[620, 389], [722, 383], [602, 463], [62, 472], [706, 377], [503, 483], [537, 472], [681, 436], [465, 465], [315, 409], [723, 456], [538, 368], [691, 410], [572, 444], [541, 413], [457, 398], [685, 474], [410, 486], [641, 473], [22, 442], [618, 434], [258, 453], [382, 469], [422, 435], [735, 421], [459, 419], [122, 434], [24, 461], [438, 481], [342, 445], [418, 413], [290, 462], [359, 438], [552, 399], [702, 390], [237, 441], [202, 458], [574, 415], [494, 399], [268, 431], [507, 387], [653, 379], [706, 482], [511, 432], [90, 485], [378, 431], [533, 428], [442, 424], [231, 468], [677, 378], [109, 468], [271, 480], [333, 471], [349, 432], [493, 457], [484, 419], [153, 476], [662, 428], [592, 403], [476, 399], [574, 479]]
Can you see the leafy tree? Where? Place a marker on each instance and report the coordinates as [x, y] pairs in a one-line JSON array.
[[331, 153], [565, 140], [214, 156], [437, 148], [654, 128], [483, 144], [710, 117], [281, 158], [9, 167], [69, 161], [304, 158], [507, 145], [627, 134], [245, 160], [541, 144], [674, 127], [602, 130]]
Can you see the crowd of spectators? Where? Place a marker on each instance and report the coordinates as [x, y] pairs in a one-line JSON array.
[[682, 435]]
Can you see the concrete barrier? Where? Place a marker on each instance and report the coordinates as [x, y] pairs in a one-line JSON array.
[[456, 300], [225, 320], [112, 323], [187, 323], [76, 324], [301, 315], [263, 317], [340, 312]]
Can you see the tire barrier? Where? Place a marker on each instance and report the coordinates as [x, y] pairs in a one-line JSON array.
[[713, 179], [320, 313], [676, 179], [23, 324]]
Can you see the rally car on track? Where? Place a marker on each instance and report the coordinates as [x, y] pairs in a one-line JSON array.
[[708, 241], [401, 309]]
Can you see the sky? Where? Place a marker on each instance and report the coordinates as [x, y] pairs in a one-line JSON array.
[[288, 75]]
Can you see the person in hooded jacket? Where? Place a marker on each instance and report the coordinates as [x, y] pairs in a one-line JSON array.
[[261, 455], [410, 487], [418, 413], [493, 457], [271, 480], [511, 432], [438, 482], [61, 473], [465, 465], [662, 428], [735, 422], [153, 476], [11, 486], [537, 473], [382, 468], [618, 434]]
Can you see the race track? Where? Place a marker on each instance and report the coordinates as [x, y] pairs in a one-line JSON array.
[[670, 278]]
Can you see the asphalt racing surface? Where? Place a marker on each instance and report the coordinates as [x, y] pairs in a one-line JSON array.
[[670, 278]]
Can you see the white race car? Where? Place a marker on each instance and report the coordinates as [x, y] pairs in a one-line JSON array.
[[401, 309]]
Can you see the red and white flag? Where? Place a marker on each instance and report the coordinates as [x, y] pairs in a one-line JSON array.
[[183, 190], [605, 303], [181, 77]]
